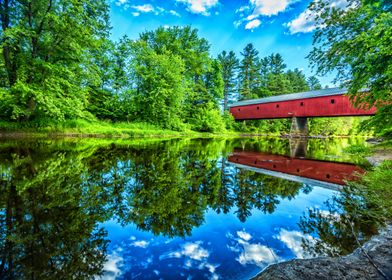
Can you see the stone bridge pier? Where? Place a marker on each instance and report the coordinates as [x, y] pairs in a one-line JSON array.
[[299, 127]]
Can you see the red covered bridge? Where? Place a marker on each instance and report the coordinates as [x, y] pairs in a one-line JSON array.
[[320, 103], [323, 173]]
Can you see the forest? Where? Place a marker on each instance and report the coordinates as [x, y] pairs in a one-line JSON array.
[[59, 64]]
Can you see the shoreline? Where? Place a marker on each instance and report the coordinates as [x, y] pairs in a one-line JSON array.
[[371, 261]]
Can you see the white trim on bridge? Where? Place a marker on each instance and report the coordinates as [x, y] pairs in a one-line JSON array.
[[312, 182]]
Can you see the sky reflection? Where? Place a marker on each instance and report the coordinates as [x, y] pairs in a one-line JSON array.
[[221, 248]]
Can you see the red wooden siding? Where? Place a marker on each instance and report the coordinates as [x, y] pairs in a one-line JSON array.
[[331, 172], [325, 106]]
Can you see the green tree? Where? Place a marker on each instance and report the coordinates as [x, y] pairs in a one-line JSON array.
[[356, 42], [45, 50], [249, 73], [203, 83], [314, 83], [229, 63], [160, 92], [297, 80]]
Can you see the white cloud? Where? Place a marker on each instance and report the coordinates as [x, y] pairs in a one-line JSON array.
[[135, 14], [258, 8], [306, 21], [242, 9], [141, 244], [195, 256], [257, 254], [249, 253], [112, 267], [244, 235], [174, 13], [200, 6], [293, 240], [253, 24], [146, 8], [269, 7]]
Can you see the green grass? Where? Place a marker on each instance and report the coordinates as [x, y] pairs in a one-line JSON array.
[[85, 128], [377, 186], [358, 149]]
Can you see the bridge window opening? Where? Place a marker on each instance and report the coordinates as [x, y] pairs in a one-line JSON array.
[[258, 108], [277, 105], [274, 166], [332, 101], [239, 110], [255, 161], [298, 170], [328, 176], [302, 104]]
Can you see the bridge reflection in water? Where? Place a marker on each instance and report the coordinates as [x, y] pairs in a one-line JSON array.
[[332, 175]]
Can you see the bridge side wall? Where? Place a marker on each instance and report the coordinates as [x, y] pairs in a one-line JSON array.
[[332, 172], [326, 106]]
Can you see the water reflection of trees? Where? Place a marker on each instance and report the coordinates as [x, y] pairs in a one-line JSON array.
[[350, 218], [55, 195], [48, 221]]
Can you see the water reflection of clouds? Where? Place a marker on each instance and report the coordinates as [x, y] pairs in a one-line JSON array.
[[141, 244], [251, 253], [112, 268], [293, 241], [195, 256]]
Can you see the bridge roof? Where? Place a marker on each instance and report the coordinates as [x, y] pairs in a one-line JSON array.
[[293, 96]]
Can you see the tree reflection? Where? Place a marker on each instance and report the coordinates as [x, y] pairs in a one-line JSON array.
[[350, 218], [49, 223], [55, 196]]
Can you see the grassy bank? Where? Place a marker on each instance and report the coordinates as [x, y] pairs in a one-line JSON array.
[[84, 128], [375, 186]]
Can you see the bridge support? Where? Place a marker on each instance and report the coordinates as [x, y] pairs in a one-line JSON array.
[[299, 127], [298, 147]]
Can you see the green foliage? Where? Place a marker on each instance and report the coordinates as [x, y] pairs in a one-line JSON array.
[[208, 119], [355, 214], [356, 42], [249, 73], [229, 63], [46, 55], [160, 93], [358, 150], [336, 126]]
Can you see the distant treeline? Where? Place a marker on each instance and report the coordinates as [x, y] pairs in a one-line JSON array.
[[58, 63]]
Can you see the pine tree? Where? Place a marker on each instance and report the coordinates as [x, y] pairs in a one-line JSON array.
[[249, 75], [229, 63], [314, 83]]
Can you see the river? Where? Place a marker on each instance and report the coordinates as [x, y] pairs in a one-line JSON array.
[[171, 209]]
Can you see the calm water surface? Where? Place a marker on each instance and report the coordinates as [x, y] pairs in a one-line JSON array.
[[176, 209]]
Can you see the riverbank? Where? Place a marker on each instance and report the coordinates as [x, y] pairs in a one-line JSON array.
[[373, 259], [374, 264], [101, 129], [96, 129]]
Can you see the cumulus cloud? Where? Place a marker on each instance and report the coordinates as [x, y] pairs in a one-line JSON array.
[[146, 8], [306, 21], [268, 7], [293, 241], [253, 24], [251, 253], [194, 256], [140, 244], [257, 8], [199, 6], [257, 254], [112, 267], [244, 235]]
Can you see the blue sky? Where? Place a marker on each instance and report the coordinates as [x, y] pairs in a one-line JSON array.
[[284, 26]]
